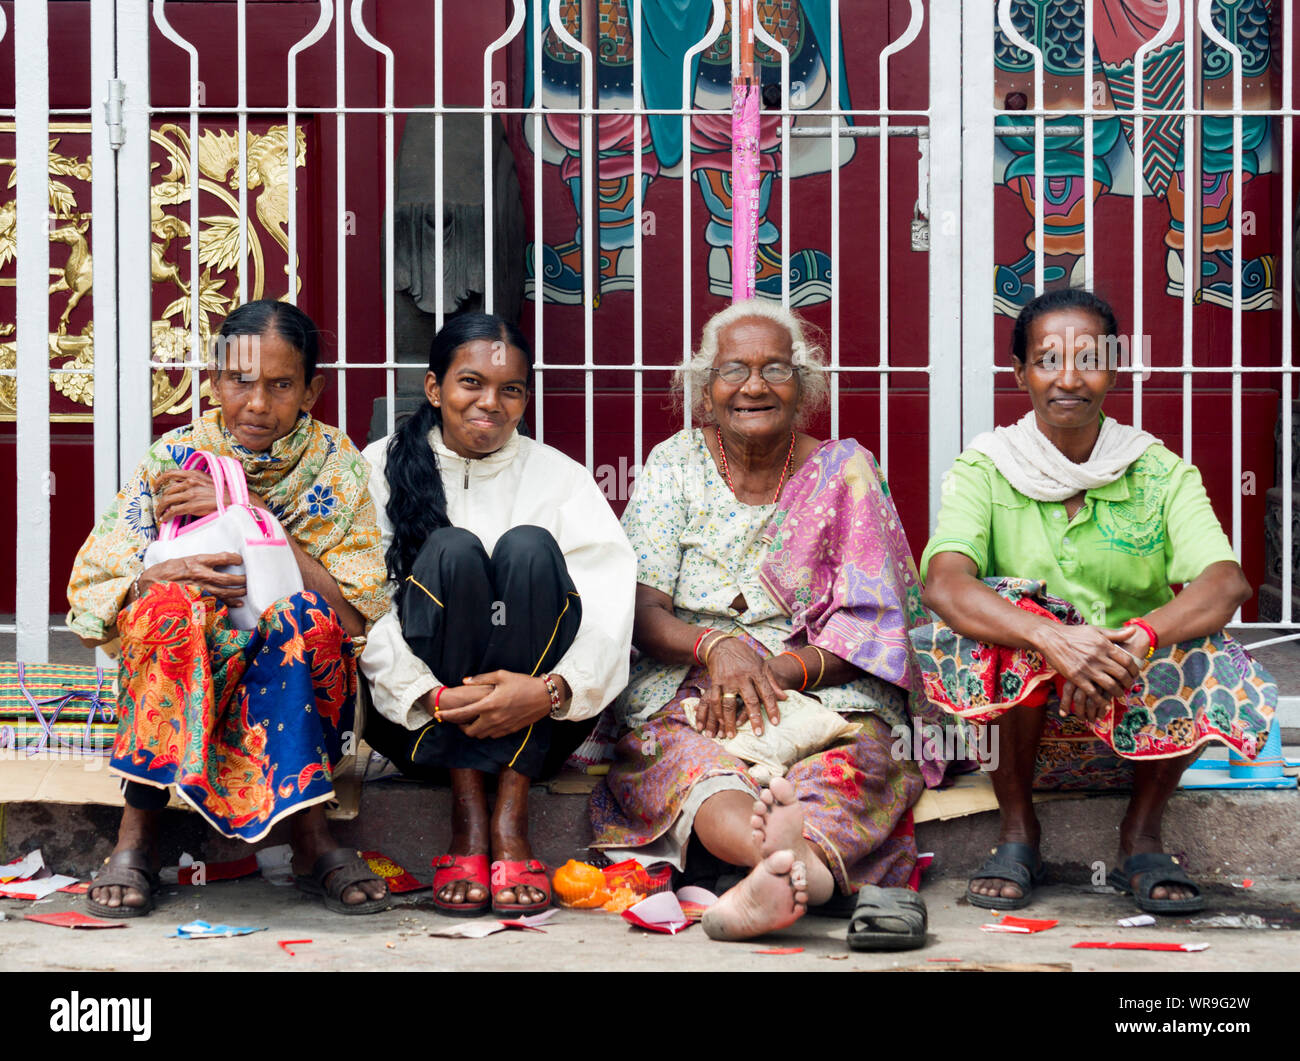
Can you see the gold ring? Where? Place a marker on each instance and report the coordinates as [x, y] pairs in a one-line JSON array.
[[730, 696]]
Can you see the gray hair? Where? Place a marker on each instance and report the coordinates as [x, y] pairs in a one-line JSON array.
[[808, 357]]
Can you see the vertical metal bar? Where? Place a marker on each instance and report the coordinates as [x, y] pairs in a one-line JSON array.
[[590, 222], [1020, 41], [135, 316], [439, 310], [638, 375], [390, 156], [195, 351], [241, 64], [1288, 297], [32, 441], [589, 16], [341, 218], [103, 243], [1090, 105], [906, 38], [1191, 209], [540, 20], [1139, 197], [784, 52], [835, 49], [1208, 28], [489, 168], [977, 356], [945, 258], [688, 102], [317, 32]]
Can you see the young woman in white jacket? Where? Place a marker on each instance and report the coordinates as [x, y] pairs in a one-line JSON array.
[[514, 588]]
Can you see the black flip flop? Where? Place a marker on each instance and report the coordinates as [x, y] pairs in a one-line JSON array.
[[126, 869], [1015, 863], [1153, 868], [887, 919]]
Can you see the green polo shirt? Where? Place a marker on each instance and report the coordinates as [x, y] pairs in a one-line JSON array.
[[1132, 539]]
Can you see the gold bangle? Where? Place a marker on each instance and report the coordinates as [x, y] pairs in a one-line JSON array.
[[711, 645], [821, 656]]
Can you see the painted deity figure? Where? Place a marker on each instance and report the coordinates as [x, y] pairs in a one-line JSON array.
[[1120, 27], [670, 28]]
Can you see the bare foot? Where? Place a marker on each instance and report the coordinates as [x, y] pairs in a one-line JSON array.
[[778, 826], [510, 837], [773, 896]]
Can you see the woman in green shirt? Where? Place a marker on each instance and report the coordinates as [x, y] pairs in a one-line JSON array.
[[1102, 515]]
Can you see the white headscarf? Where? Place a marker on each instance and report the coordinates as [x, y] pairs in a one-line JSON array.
[[1035, 467]]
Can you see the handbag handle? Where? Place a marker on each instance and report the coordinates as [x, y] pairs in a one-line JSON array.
[[199, 460], [236, 484]]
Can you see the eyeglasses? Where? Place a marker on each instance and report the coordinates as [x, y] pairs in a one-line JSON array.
[[772, 372]]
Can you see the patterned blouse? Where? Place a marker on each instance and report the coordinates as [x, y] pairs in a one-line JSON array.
[[696, 542], [314, 481]]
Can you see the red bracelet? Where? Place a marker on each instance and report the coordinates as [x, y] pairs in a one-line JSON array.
[[695, 652], [436, 697], [802, 667], [1151, 634]]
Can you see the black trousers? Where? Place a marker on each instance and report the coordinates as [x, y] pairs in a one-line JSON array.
[[464, 613]]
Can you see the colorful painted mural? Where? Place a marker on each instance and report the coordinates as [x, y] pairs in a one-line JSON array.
[[670, 28], [1121, 27]]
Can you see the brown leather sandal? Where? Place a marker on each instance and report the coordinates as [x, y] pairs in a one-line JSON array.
[[126, 869], [347, 868]]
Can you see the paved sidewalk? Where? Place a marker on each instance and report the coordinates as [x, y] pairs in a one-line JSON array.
[[588, 941]]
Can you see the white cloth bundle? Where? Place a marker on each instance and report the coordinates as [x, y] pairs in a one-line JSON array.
[[806, 728]]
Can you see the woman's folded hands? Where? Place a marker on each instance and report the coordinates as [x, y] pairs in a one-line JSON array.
[[739, 680], [495, 704]]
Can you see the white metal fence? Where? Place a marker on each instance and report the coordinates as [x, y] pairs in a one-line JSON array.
[[952, 136]]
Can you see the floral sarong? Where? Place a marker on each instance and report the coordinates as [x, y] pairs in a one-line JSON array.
[[1208, 689], [248, 724], [856, 796]]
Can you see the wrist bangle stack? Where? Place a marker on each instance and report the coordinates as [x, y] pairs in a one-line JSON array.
[[696, 650], [822, 671], [553, 690], [1142, 624], [802, 667], [714, 644]]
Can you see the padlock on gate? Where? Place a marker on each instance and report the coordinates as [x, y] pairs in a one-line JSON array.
[[920, 230]]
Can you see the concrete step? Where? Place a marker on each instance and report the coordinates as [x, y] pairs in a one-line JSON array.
[[1222, 836]]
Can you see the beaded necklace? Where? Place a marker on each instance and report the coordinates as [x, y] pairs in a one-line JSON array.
[[726, 472]]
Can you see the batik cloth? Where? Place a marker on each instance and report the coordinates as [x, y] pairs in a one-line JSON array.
[[1187, 694], [840, 566], [247, 724], [856, 796], [313, 480]]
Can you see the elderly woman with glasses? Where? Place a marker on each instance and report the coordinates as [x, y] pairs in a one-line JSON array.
[[767, 561]]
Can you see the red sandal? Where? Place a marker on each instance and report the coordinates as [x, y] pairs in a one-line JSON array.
[[531, 873], [447, 869]]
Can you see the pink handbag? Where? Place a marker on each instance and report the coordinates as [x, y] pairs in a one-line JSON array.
[[237, 526]]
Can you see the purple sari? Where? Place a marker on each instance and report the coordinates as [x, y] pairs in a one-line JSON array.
[[840, 565]]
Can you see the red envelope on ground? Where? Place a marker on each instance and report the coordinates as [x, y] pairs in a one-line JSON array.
[[244, 867], [1133, 945], [1022, 925], [631, 874], [73, 919], [76, 889], [399, 880]]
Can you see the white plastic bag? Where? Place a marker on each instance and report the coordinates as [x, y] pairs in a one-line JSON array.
[[269, 568]]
